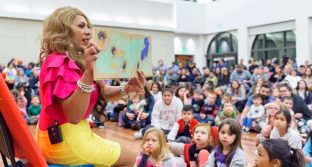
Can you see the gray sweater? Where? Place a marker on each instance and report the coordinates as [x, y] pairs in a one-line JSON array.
[[238, 159], [164, 116], [292, 136]]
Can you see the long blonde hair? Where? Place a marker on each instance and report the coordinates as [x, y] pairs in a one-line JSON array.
[[57, 34], [163, 150]]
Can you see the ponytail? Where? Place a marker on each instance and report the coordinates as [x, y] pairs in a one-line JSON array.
[[279, 149], [297, 158]]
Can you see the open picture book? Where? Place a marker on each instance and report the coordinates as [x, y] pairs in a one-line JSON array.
[[121, 54]]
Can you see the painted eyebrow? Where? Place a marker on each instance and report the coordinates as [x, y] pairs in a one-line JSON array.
[[84, 23]]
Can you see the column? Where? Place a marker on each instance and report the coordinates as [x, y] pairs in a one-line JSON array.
[[303, 51], [242, 41]]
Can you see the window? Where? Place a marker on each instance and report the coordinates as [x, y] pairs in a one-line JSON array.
[[274, 45], [222, 46]]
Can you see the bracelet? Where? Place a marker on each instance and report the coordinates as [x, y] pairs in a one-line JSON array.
[[84, 87], [122, 90]]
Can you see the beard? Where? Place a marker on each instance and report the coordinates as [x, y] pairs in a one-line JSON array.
[[264, 97]]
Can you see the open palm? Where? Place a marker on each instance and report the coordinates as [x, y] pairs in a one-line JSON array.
[[136, 84]]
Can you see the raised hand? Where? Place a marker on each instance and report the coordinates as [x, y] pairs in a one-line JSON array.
[[146, 149], [90, 54], [136, 84]]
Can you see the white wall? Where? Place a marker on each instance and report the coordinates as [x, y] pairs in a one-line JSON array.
[[20, 38], [231, 14], [190, 18], [200, 21], [185, 44], [243, 15], [118, 13]]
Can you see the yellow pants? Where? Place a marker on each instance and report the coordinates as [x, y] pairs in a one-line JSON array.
[[80, 146]]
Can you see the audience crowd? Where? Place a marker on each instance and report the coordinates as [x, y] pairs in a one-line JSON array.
[[200, 111]]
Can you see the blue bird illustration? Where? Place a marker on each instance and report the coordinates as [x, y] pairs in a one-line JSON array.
[[144, 51]]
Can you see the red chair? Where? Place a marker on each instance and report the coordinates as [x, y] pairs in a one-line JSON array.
[[16, 139]]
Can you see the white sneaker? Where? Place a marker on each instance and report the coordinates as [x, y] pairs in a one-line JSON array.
[[138, 135], [101, 127]]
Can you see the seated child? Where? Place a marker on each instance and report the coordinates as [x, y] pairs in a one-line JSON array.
[[120, 110], [227, 112], [255, 113], [109, 109], [197, 101], [275, 94], [229, 151], [202, 147], [226, 98], [155, 151], [277, 153], [20, 101], [134, 110], [209, 110], [282, 130], [98, 116], [182, 129], [166, 112], [34, 110], [267, 126], [297, 120]]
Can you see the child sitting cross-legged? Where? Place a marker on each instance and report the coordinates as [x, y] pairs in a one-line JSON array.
[[256, 112], [182, 129], [134, 110]]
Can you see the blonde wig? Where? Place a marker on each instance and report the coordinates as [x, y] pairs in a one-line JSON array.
[[57, 35]]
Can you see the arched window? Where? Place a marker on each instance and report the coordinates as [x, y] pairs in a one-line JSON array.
[[222, 46], [274, 45]]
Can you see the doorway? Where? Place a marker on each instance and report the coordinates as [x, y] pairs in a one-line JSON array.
[[183, 60]]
